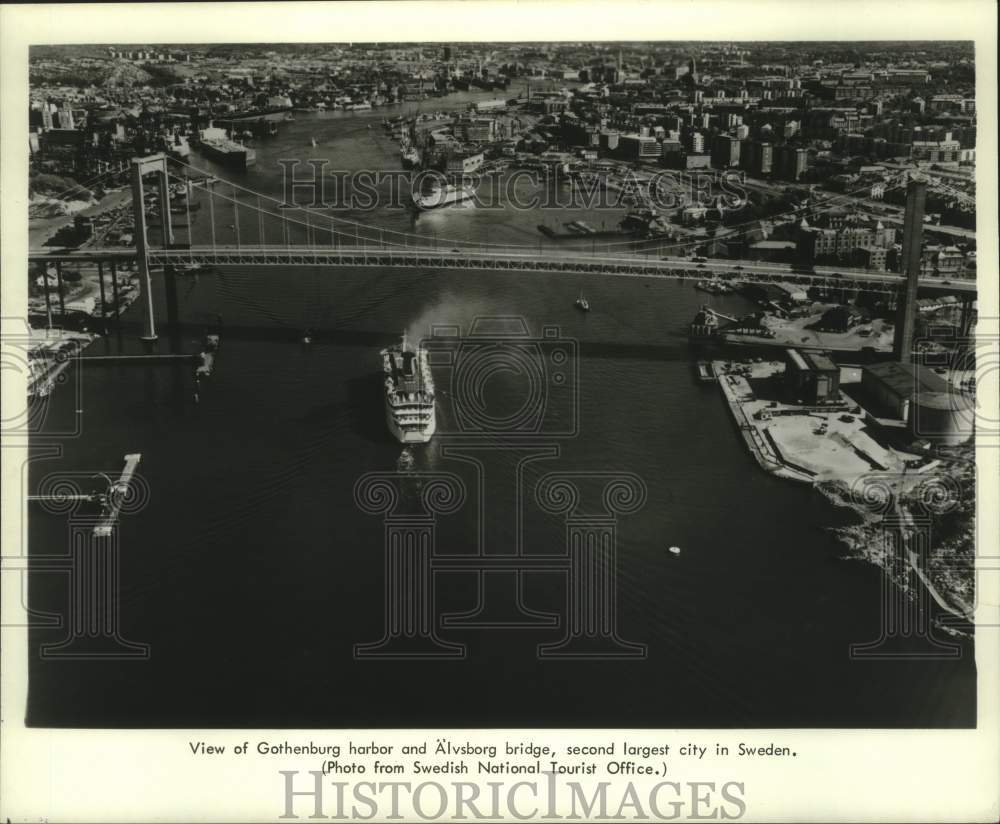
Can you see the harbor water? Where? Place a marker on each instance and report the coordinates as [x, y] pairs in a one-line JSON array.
[[252, 573]]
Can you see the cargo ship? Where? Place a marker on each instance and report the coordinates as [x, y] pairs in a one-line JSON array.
[[444, 196], [216, 146], [409, 393]]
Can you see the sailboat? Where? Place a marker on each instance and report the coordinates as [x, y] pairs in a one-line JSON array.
[[582, 303]]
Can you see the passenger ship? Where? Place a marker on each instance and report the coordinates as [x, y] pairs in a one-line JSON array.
[[409, 393], [444, 196]]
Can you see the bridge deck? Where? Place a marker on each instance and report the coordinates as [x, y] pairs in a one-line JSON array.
[[635, 265]]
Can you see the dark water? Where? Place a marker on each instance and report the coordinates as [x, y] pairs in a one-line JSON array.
[[252, 573]]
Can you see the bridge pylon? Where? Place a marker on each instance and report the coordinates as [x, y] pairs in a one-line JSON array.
[[142, 166]]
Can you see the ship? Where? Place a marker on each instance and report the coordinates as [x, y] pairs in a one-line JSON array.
[[228, 152], [705, 370], [714, 286], [177, 146], [411, 157], [409, 393], [444, 196]]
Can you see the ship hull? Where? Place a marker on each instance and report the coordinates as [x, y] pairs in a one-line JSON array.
[[239, 159], [439, 200]]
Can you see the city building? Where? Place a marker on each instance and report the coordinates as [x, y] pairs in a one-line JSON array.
[[725, 151], [790, 162], [638, 147], [465, 164], [758, 157]]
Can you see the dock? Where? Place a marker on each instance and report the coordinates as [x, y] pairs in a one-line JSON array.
[[737, 391], [138, 358], [116, 494]]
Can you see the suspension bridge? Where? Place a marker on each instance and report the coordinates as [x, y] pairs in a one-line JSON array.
[[248, 228]]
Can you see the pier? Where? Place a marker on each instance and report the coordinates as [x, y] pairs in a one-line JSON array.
[[111, 499]]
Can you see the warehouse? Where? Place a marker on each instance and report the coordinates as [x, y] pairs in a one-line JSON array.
[[812, 377], [921, 398]]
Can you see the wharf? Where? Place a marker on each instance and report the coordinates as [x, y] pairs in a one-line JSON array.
[[116, 496], [811, 444], [737, 391], [139, 358]]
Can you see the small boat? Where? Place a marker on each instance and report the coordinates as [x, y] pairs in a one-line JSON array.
[[312, 142], [405, 461], [582, 303], [307, 337], [674, 550]]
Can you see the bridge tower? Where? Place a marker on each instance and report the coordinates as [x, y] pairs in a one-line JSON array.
[[142, 166], [913, 232]]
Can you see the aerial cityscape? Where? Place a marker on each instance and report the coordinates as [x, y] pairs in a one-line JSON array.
[[732, 285]]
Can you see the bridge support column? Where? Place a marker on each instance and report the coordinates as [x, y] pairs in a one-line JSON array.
[[166, 222], [114, 288], [45, 289], [966, 317], [913, 232], [59, 288], [140, 167], [100, 282]]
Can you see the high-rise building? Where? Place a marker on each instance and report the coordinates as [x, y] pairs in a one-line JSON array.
[[725, 151], [758, 157], [791, 162], [47, 116], [66, 117]]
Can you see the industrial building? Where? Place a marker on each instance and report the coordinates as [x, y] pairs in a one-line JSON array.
[[812, 377], [923, 400]]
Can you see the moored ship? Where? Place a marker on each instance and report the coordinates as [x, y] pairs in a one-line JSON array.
[[177, 146], [714, 286], [444, 196], [409, 393], [229, 152], [214, 144]]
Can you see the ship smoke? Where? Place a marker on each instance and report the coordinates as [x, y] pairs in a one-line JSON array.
[[455, 311]]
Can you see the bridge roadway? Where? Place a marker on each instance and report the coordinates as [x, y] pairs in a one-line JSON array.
[[575, 262]]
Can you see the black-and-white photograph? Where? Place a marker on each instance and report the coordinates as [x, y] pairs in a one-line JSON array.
[[517, 384]]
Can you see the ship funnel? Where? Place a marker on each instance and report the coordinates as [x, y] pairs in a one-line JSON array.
[[408, 363]]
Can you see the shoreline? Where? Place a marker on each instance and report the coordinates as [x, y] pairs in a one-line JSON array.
[[864, 540]]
